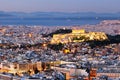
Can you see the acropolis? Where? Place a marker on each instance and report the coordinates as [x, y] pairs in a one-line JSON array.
[[78, 36]]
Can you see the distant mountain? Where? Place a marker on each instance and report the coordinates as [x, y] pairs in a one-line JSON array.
[[4, 14], [56, 15]]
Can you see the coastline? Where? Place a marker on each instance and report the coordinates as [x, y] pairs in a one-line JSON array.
[[111, 27]]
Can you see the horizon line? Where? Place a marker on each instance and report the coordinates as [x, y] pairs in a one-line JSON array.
[[60, 12]]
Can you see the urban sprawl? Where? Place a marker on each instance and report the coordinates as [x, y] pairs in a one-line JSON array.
[[88, 52]]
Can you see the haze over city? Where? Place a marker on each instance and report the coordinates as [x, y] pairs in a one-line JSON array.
[[59, 40], [99, 6]]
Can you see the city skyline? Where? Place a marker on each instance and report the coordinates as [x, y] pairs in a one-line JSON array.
[[101, 6]]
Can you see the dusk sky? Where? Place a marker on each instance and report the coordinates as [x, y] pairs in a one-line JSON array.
[[99, 6]]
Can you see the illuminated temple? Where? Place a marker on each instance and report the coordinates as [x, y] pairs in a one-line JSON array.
[[78, 36]]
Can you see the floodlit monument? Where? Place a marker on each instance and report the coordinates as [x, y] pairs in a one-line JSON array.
[[78, 36]]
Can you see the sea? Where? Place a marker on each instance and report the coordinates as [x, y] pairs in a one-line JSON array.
[[55, 21]]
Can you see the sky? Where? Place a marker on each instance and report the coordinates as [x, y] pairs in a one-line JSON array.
[[99, 6]]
